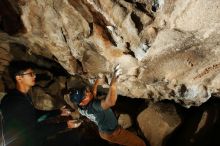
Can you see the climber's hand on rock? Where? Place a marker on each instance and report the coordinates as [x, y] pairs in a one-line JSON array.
[[117, 71]]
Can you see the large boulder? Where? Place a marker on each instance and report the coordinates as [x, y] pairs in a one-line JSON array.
[[158, 121]]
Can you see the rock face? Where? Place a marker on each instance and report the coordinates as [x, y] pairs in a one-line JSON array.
[[158, 121], [124, 120], [168, 54]]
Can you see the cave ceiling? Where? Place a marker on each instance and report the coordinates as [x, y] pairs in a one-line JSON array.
[[167, 49]]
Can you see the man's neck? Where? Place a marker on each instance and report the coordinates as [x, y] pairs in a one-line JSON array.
[[22, 88]]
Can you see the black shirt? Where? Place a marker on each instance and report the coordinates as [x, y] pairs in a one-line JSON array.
[[20, 121]]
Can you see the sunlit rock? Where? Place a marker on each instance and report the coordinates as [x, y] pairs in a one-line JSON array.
[[124, 121]]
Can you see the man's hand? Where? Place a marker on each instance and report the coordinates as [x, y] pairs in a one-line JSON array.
[[73, 124], [117, 71], [65, 111]]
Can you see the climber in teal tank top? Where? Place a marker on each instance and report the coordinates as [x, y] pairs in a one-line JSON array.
[[100, 112]]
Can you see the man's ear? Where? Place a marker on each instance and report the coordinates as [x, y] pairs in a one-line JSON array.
[[18, 78]]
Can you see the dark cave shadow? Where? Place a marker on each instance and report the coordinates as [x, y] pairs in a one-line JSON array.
[[85, 135], [207, 135]]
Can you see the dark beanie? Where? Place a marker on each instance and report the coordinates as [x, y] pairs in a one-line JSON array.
[[76, 95]]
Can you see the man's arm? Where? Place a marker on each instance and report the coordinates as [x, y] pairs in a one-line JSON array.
[[43, 115], [111, 96], [95, 86]]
